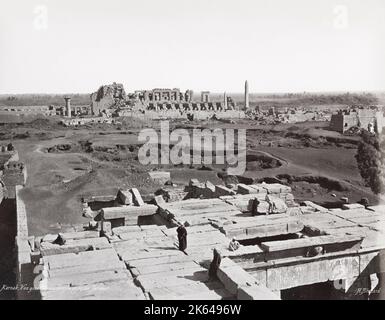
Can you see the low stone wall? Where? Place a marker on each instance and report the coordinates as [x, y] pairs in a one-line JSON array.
[[21, 215]]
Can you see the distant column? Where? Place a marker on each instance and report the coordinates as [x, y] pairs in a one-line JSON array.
[[68, 106], [246, 95], [225, 100]]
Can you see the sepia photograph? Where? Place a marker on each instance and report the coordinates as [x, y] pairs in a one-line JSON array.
[[206, 151]]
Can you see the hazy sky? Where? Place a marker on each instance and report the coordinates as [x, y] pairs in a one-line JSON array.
[[278, 45]]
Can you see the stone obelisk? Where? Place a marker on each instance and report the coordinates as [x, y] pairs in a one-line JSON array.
[[246, 95]]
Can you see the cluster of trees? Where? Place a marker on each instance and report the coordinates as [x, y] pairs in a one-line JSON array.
[[370, 159], [326, 98], [347, 98]]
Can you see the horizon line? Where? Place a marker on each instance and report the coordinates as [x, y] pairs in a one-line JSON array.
[[215, 92]]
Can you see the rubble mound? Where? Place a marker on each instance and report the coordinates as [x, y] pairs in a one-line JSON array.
[[59, 148], [353, 131], [323, 182], [257, 162], [114, 90]]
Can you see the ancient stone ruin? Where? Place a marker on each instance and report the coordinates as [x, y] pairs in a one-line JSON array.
[[172, 103], [106, 97], [12, 171], [246, 242], [371, 119]]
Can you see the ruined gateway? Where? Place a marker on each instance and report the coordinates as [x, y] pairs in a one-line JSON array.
[[129, 248]]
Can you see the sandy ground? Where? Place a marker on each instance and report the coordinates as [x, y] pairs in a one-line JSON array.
[[56, 181]]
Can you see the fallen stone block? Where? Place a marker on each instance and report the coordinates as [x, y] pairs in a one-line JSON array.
[[353, 206], [128, 211], [378, 208], [245, 189], [233, 276], [223, 191], [125, 197], [314, 206], [49, 238], [242, 205], [87, 268], [194, 182], [231, 232], [125, 229], [137, 197], [159, 200], [209, 185]]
